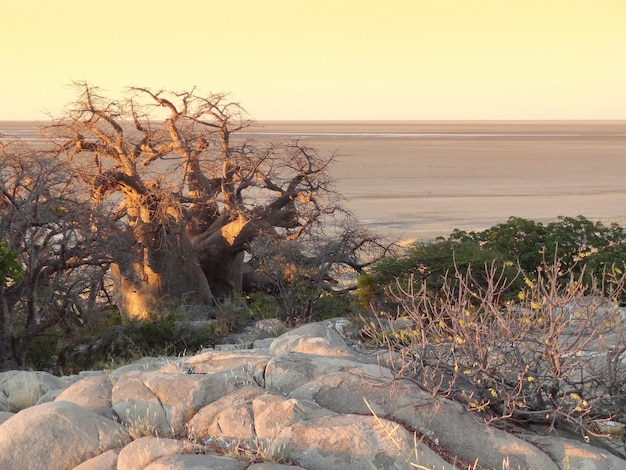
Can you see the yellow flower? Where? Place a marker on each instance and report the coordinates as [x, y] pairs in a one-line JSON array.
[[530, 379], [528, 282], [521, 296]]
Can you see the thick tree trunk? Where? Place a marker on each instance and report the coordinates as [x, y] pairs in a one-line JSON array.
[[134, 296], [164, 273], [221, 254], [225, 275]]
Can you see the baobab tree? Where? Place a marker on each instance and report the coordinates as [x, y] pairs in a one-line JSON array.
[[190, 196]]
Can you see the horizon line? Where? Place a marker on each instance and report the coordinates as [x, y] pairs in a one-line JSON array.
[[253, 120]]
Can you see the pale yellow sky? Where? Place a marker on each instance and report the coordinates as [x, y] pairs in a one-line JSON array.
[[326, 59]]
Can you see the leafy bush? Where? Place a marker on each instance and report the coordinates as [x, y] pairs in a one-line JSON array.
[[583, 247], [10, 267], [164, 336], [580, 244], [520, 240], [586, 246], [303, 278], [432, 264], [263, 305]]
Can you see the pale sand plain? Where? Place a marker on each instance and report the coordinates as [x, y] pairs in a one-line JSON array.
[[420, 180]]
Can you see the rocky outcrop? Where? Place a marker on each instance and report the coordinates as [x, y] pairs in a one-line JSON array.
[[304, 400]]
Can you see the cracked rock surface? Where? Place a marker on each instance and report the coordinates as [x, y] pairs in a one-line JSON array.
[[304, 400]]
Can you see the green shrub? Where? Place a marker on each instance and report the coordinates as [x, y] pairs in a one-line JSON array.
[[518, 239], [367, 290], [435, 264], [165, 336], [578, 243], [43, 351], [331, 305], [582, 247], [10, 267], [263, 305]]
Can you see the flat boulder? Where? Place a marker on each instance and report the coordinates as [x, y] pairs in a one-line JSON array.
[[142, 452], [576, 454], [93, 393], [196, 462], [145, 364], [275, 412], [441, 421], [252, 363], [57, 435], [251, 414], [289, 371], [348, 390], [105, 461], [230, 416], [155, 453], [22, 389], [312, 338], [355, 442], [464, 433], [165, 401]]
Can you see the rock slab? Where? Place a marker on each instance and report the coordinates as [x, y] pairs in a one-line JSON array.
[[304, 401]]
